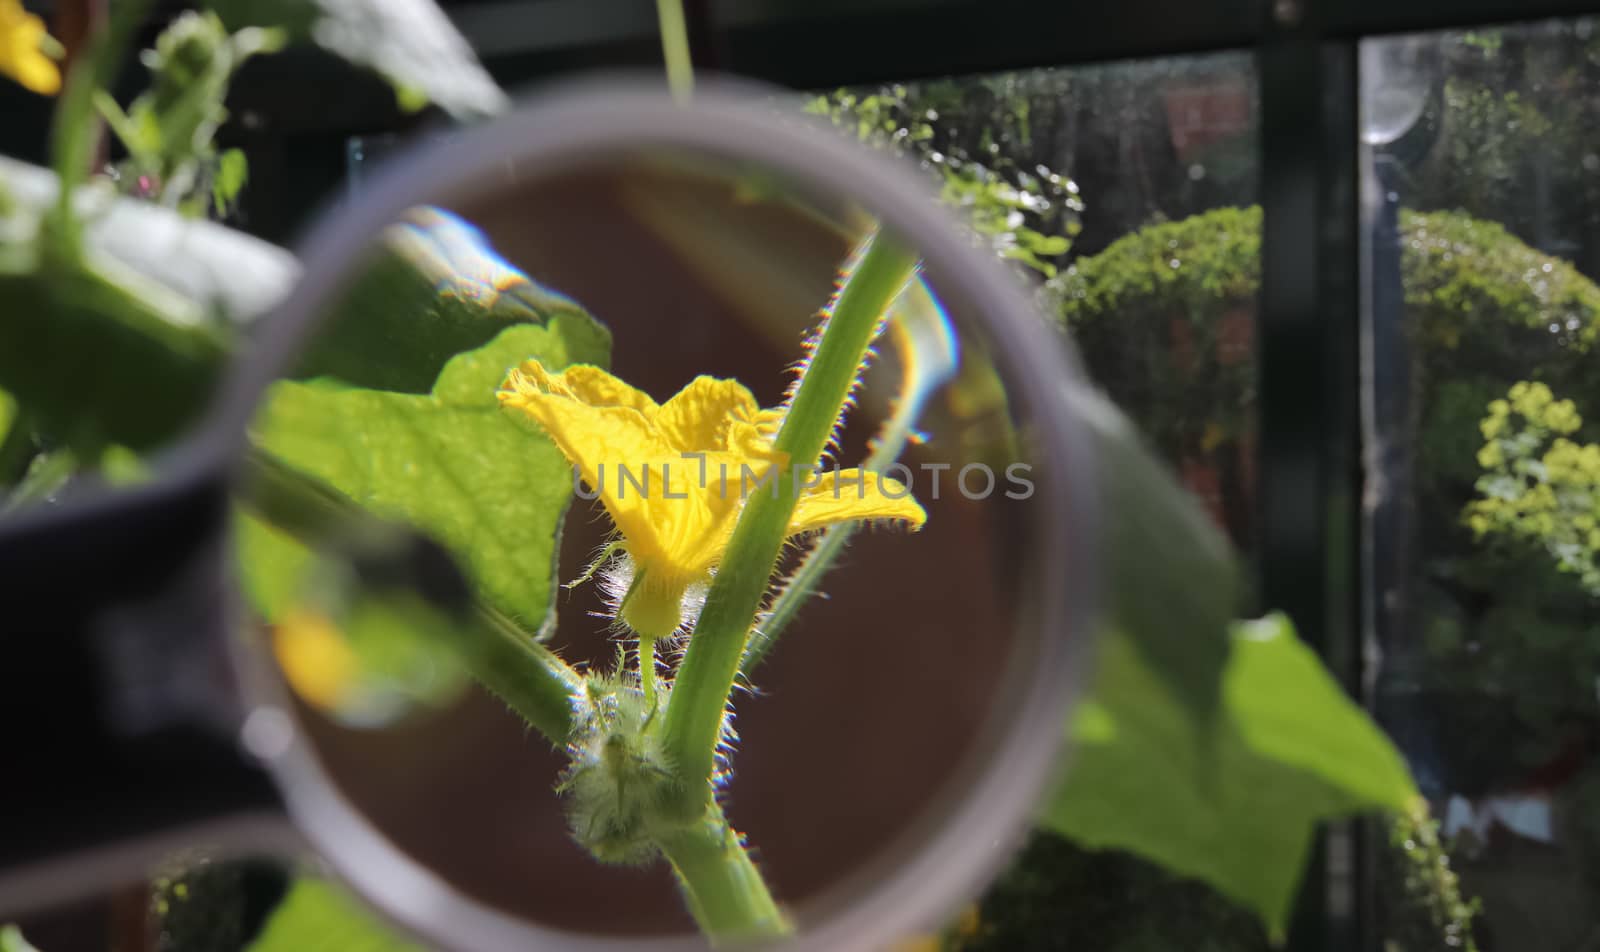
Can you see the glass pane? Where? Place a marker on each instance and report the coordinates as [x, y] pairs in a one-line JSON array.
[[1482, 170], [1126, 194]]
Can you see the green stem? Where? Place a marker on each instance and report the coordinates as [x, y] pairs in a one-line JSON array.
[[807, 579], [725, 892], [507, 660], [530, 678], [693, 725], [74, 131], [675, 48], [799, 587], [647, 669]]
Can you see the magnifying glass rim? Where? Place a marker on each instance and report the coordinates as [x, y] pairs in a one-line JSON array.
[[574, 123]]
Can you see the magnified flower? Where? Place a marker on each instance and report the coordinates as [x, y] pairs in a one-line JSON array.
[[673, 476], [315, 659], [25, 49]]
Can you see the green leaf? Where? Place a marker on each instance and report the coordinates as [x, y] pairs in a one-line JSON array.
[[200, 266], [1050, 245], [1236, 806], [190, 66], [83, 334], [1159, 540], [233, 170], [136, 316], [487, 486], [95, 361], [317, 916], [406, 645], [410, 42], [8, 414], [17, 446], [409, 98]]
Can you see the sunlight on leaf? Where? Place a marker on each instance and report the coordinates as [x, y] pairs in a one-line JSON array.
[[1158, 540], [410, 42], [208, 266], [319, 917]]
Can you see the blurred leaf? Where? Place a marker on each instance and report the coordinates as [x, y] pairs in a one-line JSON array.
[[418, 591], [11, 940], [410, 98], [206, 266], [410, 42], [1237, 806], [489, 488], [233, 170], [1159, 540], [138, 318], [94, 358], [1049, 245], [17, 444], [8, 414], [318, 917], [364, 649]]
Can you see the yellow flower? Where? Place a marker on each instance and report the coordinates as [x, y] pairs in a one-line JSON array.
[[673, 476], [315, 659], [23, 42]]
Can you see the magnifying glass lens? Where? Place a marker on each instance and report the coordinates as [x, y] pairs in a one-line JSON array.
[[501, 498]]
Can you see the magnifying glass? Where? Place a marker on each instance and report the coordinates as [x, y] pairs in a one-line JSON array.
[[642, 523]]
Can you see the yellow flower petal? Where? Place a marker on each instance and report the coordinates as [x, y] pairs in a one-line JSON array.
[[594, 386], [607, 444], [22, 56], [581, 382], [316, 661], [853, 494], [698, 418], [674, 476]]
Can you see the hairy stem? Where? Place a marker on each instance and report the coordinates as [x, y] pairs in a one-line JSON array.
[[725, 892], [807, 579], [647, 669], [693, 725], [530, 678]]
